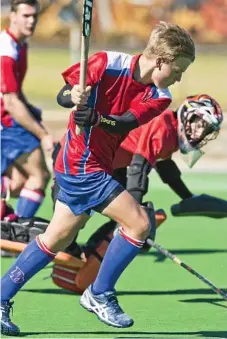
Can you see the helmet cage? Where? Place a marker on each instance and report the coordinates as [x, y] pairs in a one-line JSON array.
[[197, 130]]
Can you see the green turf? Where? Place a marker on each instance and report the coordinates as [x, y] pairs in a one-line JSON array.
[[44, 77], [164, 299]]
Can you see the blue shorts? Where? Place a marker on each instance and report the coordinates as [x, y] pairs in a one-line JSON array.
[[83, 192], [16, 141]]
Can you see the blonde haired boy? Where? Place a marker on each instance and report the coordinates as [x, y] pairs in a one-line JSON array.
[[123, 92]]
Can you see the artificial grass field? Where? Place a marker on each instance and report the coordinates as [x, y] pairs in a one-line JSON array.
[[164, 299]]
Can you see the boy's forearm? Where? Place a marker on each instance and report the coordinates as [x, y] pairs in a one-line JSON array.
[[20, 113], [118, 124]]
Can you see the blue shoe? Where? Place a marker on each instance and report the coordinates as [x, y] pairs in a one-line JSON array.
[[106, 307], [7, 327]]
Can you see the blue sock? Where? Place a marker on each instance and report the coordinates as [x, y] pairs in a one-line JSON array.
[[29, 202], [34, 257], [121, 251]]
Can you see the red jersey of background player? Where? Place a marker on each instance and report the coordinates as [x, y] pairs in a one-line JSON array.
[[114, 91], [156, 140], [13, 69]]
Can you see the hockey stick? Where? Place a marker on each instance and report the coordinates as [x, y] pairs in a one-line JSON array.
[[61, 258], [188, 268], [86, 31]]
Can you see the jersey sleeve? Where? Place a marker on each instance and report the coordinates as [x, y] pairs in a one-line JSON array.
[[96, 67], [9, 83], [145, 112], [153, 103]]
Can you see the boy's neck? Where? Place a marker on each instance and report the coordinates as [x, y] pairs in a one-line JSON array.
[[16, 34], [144, 69]]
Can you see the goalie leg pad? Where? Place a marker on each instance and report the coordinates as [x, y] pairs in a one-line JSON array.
[[65, 276], [77, 280], [201, 205]]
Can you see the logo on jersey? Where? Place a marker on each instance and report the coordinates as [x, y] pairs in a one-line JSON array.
[[66, 92], [17, 276], [107, 121]]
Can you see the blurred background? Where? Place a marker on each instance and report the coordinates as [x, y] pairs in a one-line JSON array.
[[125, 25]]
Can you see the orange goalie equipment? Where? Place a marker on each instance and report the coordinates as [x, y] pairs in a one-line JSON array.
[[77, 279]]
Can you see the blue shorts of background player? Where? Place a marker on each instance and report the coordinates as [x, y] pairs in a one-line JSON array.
[[16, 141]]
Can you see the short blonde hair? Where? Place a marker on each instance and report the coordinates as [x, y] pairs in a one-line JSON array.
[[170, 42]]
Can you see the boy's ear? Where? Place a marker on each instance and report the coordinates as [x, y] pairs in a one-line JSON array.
[[159, 62]]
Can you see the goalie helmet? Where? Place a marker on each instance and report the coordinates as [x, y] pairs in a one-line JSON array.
[[199, 121]]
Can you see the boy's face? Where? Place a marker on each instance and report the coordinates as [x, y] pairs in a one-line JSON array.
[[25, 19], [166, 74]]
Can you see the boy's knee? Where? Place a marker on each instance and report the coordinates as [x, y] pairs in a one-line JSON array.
[[46, 176], [144, 226], [40, 179], [15, 188]]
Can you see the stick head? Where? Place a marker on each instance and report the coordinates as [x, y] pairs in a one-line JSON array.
[[87, 17]]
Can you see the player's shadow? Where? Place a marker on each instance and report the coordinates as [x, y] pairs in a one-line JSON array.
[[195, 291], [148, 334], [213, 301], [174, 292], [159, 257]]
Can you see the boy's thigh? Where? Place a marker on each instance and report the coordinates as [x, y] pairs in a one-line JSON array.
[[125, 210], [64, 225]]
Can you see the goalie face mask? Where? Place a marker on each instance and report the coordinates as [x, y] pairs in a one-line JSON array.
[[199, 121]]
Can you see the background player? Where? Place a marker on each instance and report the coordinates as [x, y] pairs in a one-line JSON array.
[[23, 167]]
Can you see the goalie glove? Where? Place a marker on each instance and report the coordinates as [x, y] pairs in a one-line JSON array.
[[201, 205]]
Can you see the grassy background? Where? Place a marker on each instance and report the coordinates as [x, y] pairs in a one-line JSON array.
[[164, 299], [43, 81]]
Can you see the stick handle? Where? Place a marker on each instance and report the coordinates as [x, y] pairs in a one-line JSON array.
[[83, 71], [61, 258], [188, 268]]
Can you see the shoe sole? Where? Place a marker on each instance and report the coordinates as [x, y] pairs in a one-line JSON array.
[[6, 331], [84, 304]]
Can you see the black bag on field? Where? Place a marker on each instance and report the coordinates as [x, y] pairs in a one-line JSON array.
[[202, 205], [23, 230]]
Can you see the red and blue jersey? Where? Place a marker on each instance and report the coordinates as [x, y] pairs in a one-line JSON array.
[[114, 91], [13, 69], [154, 141]]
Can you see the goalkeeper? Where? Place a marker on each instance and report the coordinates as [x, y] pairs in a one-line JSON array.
[[197, 121], [151, 146]]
